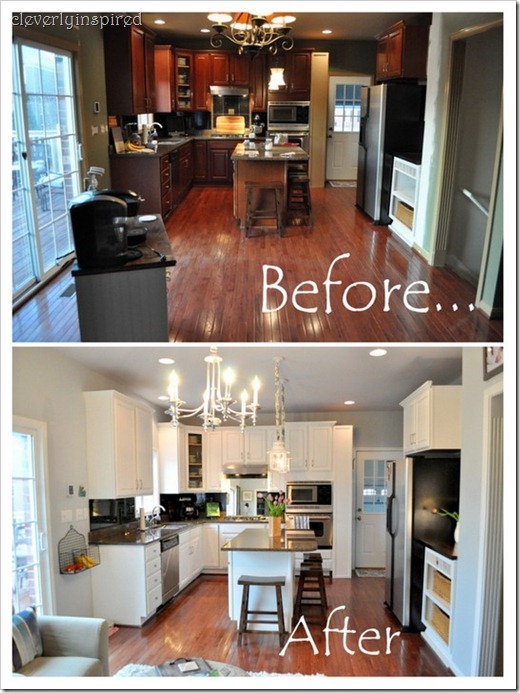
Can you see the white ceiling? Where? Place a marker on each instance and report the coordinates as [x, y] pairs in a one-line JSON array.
[[308, 25], [317, 378]]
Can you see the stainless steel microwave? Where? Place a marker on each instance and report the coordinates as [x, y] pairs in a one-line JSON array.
[[288, 115], [309, 494]]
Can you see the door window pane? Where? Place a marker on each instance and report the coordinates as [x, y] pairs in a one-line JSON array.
[[374, 492], [347, 108]]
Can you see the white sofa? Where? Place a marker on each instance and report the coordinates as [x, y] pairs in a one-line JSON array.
[[72, 646]]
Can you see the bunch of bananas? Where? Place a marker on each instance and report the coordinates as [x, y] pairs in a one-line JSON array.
[[133, 146], [86, 561]]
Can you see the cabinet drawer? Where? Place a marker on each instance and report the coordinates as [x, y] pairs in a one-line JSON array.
[[165, 165], [153, 566], [153, 600], [152, 551], [153, 582]]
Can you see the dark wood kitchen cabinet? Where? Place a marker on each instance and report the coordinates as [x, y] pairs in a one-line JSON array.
[[129, 70], [229, 70], [402, 52], [181, 162], [184, 80], [201, 81], [164, 69], [219, 160], [297, 76], [258, 82], [150, 176], [200, 161]]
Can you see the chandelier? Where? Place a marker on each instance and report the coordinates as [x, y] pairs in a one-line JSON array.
[[252, 32], [216, 407], [279, 456]]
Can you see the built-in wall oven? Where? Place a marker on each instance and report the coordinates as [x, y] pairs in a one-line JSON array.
[[310, 507]]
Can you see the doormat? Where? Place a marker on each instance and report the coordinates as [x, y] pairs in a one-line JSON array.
[[370, 572], [342, 183], [69, 291]]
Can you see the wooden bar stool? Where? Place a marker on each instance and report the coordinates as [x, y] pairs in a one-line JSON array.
[[317, 557], [311, 588], [248, 581], [299, 199], [255, 198]]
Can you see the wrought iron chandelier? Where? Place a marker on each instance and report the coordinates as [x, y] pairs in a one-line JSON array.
[[279, 456], [252, 32], [216, 407]]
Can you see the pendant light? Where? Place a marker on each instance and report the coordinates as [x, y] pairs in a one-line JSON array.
[[279, 456]]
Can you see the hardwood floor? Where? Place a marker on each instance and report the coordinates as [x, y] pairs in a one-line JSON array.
[[196, 624], [216, 289]]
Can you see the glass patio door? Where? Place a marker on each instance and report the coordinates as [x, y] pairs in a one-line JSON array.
[[45, 161], [31, 574]]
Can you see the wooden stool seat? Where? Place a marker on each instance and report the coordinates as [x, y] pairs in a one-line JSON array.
[[311, 587], [256, 194], [317, 557], [264, 581], [299, 198]]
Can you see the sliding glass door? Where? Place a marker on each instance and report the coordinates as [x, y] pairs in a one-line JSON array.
[[45, 161]]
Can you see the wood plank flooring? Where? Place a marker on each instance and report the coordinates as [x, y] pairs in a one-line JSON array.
[[216, 289], [196, 623]]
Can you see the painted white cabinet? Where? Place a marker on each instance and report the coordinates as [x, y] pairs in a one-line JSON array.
[[403, 198], [210, 546], [175, 450], [171, 472], [228, 531], [119, 445], [127, 585], [310, 446], [432, 418], [437, 605], [190, 555], [212, 460], [248, 447]]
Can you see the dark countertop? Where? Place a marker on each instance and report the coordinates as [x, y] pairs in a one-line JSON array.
[[412, 157], [277, 153], [254, 540], [156, 252], [165, 146], [447, 550]]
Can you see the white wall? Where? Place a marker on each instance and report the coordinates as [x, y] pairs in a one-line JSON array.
[[472, 523]]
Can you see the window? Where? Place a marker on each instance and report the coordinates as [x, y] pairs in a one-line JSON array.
[[31, 581], [45, 161], [374, 491], [347, 108]]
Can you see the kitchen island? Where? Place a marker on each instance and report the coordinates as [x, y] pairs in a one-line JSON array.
[[260, 165], [128, 303], [254, 552]]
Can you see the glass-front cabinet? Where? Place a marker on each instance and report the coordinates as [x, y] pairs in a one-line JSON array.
[[195, 476]]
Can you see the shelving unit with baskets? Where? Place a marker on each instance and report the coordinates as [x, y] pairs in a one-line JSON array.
[[75, 555], [437, 607], [403, 198], [183, 80], [194, 460]]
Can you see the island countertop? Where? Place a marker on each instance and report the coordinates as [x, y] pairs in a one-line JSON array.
[[253, 540], [277, 153]]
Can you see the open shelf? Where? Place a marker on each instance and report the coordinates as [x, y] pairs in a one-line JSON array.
[[437, 606], [403, 198]]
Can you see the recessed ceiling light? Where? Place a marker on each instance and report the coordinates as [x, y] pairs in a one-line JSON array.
[[326, 31], [204, 31], [166, 361], [159, 21], [378, 352], [349, 401], [219, 18], [163, 398]]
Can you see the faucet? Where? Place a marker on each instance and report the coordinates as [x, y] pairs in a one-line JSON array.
[[155, 517]]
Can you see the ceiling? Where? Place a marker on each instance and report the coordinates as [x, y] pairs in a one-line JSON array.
[[353, 26], [316, 378]]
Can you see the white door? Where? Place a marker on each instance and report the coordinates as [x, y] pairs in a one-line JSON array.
[[344, 119], [370, 507]]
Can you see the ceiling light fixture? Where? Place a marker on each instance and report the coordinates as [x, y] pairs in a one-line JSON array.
[[279, 456], [378, 352], [349, 401], [252, 32], [159, 21], [276, 80], [214, 404]]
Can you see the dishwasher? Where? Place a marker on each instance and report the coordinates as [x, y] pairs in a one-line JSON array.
[[170, 566]]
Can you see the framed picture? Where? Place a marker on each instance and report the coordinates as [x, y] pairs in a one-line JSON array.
[[493, 361], [247, 495]]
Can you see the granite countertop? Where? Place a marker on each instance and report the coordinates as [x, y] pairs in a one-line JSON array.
[[155, 251], [277, 153], [444, 549], [165, 146], [255, 540]]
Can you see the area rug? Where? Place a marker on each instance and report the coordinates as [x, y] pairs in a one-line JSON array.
[[370, 572], [147, 670], [342, 183]]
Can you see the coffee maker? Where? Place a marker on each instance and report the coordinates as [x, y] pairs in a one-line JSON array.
[[99, 230]]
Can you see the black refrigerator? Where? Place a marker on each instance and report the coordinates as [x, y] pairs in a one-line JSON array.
[[392, 122]]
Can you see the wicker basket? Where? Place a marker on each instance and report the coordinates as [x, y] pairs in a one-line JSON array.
[[442, 586], [440, 623], [404, 213]]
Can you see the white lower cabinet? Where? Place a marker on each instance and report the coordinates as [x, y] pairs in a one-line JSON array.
[[210, 546], [228, 531], [127, 583], [190, 555], [437, 605]]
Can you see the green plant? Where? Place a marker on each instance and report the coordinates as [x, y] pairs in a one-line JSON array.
[[275, 504]]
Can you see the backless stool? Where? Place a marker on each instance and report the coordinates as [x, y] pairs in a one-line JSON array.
[[248, 581], [299, 199], [311, 588], [256, 196]]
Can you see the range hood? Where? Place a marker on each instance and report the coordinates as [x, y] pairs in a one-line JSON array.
[[245, 471], [229, 91]]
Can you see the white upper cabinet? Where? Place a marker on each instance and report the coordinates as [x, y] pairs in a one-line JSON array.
[[432, 418], [119, 445], [170, 478], [310, 446], [212, 457], [248, 447]]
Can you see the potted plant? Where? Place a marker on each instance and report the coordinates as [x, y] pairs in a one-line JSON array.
[[275, 512], [442, 512]]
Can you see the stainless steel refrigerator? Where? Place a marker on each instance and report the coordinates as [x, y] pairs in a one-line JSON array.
[[392, 122], [399, 513]]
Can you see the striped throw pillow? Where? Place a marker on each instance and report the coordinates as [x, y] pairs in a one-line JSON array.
[[27, 641]]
